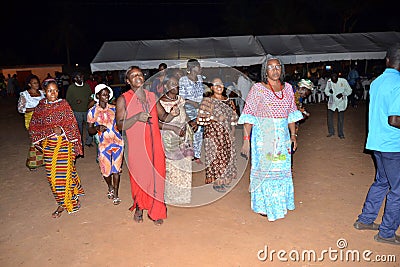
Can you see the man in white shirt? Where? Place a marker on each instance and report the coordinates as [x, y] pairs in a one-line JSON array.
[[337, 89], [322, 83]]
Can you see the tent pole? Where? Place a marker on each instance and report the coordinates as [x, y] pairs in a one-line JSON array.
[[366, 66]]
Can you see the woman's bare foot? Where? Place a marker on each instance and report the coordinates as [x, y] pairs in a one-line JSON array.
[[58, 212], [138, 216]]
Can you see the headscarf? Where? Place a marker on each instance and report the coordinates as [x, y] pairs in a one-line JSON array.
[[306, 83]]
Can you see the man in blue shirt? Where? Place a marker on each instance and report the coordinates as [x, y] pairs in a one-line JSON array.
[[352, 79], [384, 140]]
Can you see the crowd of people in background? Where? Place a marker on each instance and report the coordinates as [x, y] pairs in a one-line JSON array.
[[167, 121]]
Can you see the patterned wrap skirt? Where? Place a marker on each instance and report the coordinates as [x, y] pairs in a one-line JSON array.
[[61, 173]]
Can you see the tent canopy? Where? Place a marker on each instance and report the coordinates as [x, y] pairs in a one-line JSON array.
[[243, 50], [293, 49], [148, 54]]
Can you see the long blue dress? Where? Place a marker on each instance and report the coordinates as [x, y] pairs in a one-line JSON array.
[[271, 185]]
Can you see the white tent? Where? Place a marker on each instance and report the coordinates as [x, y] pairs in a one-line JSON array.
[[293, 49], [148, 54]]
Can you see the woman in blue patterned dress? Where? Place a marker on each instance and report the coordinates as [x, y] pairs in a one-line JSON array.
[[269, 118]]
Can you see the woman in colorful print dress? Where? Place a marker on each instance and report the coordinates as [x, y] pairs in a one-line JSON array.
[[101, 120], [269, 118], [218, 115], [177, 136], [27, 102], [54, 128]]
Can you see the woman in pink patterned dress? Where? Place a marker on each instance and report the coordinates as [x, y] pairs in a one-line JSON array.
[[269, 118]]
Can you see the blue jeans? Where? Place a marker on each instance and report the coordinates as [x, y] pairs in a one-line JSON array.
[[387, 184], [81, 119]]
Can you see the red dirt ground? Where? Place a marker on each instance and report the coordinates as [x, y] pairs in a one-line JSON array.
[[331, 178]]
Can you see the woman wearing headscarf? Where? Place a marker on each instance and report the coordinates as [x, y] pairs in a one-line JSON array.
[[177, 137], [218, 115], [269, 118], [304, 89]]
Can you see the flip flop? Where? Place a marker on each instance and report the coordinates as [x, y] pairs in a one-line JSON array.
[[116, 201], [57, 213], [110, 194], [219, 188]]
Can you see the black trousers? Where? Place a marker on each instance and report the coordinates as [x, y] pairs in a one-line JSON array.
[[340, 122]]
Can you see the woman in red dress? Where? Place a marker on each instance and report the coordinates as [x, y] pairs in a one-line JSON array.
[[138, 114]]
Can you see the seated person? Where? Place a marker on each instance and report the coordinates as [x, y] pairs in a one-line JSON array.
[[305, 88]]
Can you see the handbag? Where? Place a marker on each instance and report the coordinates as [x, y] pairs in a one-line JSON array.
[[35, 157], [185, 149]]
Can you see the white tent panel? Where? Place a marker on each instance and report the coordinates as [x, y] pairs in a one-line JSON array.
[[293, 49], [295, 59], [243, 50], [148, 54]]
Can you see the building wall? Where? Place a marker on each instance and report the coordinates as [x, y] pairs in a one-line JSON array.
[[40, 71]]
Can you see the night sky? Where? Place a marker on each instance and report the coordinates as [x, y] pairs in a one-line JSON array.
[[41, 32]]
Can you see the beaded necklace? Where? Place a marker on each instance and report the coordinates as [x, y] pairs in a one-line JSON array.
[[176, 97], [273, 91]]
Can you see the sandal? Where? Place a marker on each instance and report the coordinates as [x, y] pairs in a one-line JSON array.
[[138, 216], [58, 212], [158, 222], [116, 201], [110, 194], [219, 188]]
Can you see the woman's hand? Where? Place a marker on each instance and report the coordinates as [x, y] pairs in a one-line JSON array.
[[293, 140], [179, 131], [57, 130], [143, 116], [193, 124], [174, 111], [101, 128], [245, 152]]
